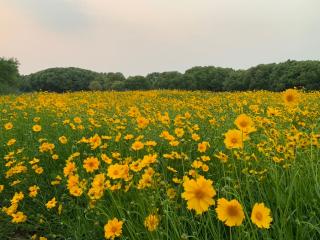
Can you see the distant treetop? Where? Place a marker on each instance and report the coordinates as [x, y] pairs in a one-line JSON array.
[[273, 77]]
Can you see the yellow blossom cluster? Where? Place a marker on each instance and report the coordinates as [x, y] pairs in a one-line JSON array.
[[159, 164]]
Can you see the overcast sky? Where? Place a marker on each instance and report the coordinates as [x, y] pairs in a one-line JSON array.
[[142, 36]]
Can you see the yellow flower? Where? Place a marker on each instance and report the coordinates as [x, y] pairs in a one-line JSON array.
[[73, 186], [36, 119], [205, 168], [213, 121], [177, 180], [10, 210], [149, 159], [17, 197], [202, 147], [95, 141], [116, 155], [128, 137], [205, 158], [137, 145], [46, 147], [56, 181], [11, 142], [230, 212], [179, 132], [222, 157], [273, 112], [174, 143], [91, 164], [261, 216], [33, 191], [63, 140], [77, 120], [52, 203], [196, 164], [145, 181], [91, 112], [171, 169], [113, 229], [106, 159], [1, 188], [171, 193], [34, 161], [199, 194], [151, 222], [38, 170], [36, 128], [142, 122], [18, 217], [150, 143], [291, 97], [69, 169], [195, 137], [234, 139], [15, 183], [117, 171], [8, 126], [244, 123]]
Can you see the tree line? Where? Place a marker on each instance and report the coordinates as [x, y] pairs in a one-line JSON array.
[[273, 77]]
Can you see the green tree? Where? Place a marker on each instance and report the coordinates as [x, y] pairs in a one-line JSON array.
[[9, 75], [110, 78], [274, 77], [62, 79], [95, 86], [236, 81], [207, 78], [137, 83], [118, 85], [165, 80], [259, 77]]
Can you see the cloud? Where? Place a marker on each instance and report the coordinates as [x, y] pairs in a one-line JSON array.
[[58, 15]]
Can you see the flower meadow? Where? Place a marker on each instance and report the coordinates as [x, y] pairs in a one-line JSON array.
[[160, 165]]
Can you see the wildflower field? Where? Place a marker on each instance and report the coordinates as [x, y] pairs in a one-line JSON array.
[[160, 165]]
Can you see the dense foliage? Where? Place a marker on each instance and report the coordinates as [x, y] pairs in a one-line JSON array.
[[59, 80], [154, 165], [273, 77], [8, 75]]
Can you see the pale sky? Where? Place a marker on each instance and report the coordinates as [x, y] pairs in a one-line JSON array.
[[143, 36]]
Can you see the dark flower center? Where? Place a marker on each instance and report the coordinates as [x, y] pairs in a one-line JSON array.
[[290, 98], [199, 193], [234, 140], [232, 211], [259, 216]]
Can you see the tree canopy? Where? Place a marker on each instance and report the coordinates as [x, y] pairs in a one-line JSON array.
[[273, 77], [9, 75]]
